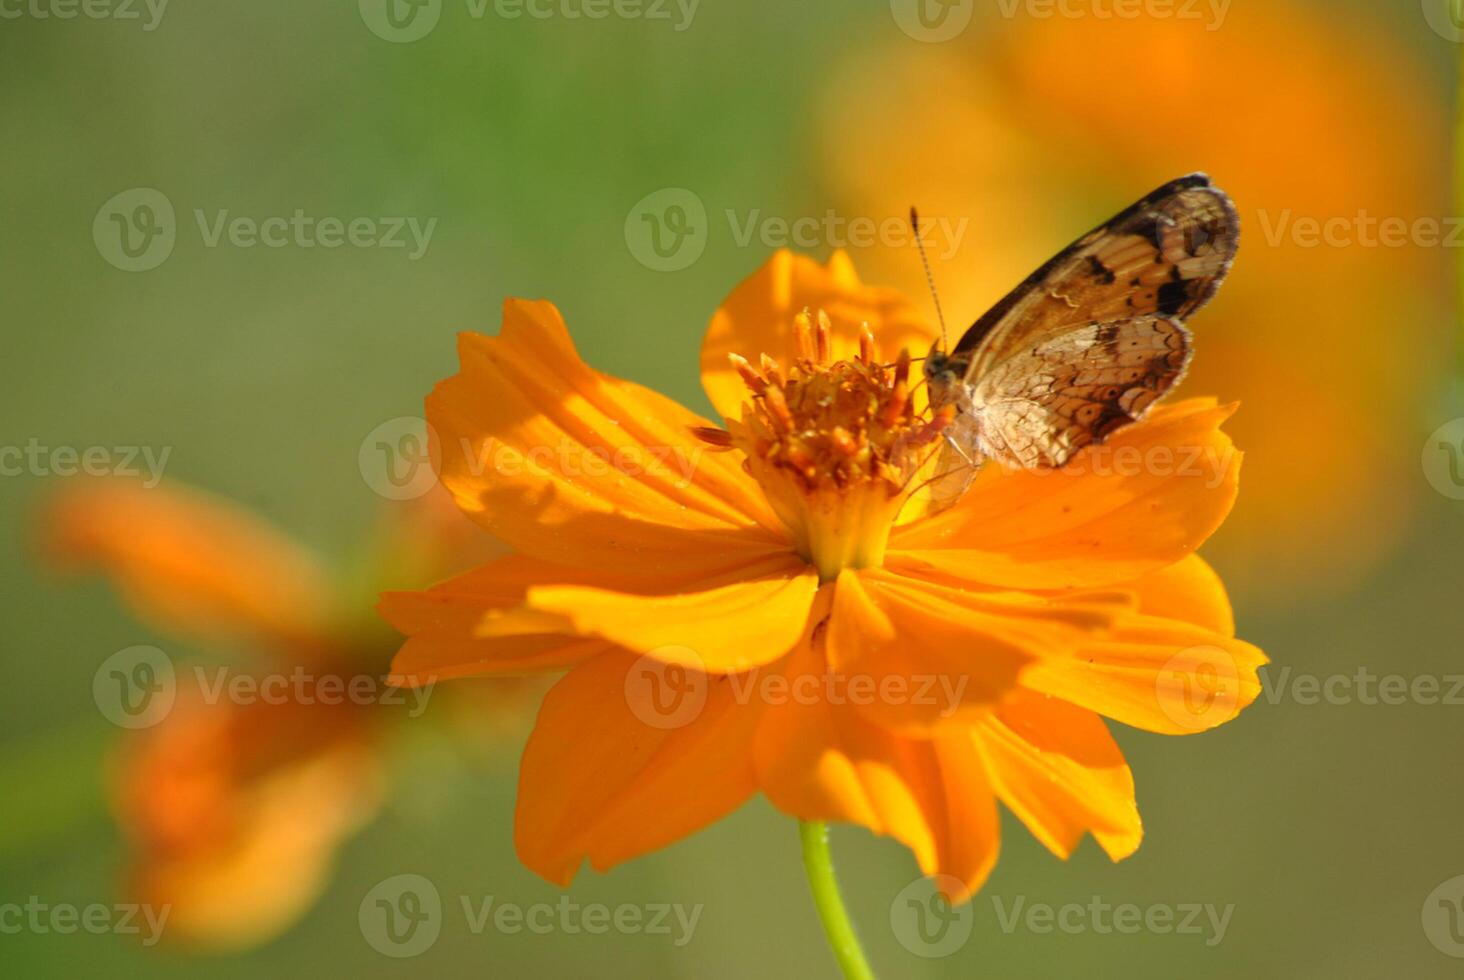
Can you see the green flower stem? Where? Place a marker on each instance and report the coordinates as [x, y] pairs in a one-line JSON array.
[[818, 862]]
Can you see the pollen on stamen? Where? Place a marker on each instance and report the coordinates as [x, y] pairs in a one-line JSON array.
[[772, 372], [867, 352], [803, 335], [823, 338], [843, 441], [835, 444], [750, 377], [778, 410]]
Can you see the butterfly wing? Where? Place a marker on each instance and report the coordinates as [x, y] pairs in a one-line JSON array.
[[1038, 407], [1163, 256], [1090, 340]]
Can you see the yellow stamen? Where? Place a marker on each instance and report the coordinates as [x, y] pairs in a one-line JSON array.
[[834, 445]]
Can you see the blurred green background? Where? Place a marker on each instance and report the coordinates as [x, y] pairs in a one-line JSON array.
[[530, 141]]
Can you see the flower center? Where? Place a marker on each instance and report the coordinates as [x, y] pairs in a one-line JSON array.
[[834, 444]]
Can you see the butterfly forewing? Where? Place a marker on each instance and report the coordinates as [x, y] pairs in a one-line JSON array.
[[1165, 254]]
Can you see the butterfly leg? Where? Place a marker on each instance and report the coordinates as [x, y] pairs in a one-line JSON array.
[[950, 441]]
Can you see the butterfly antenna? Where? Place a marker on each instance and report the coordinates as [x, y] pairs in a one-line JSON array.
[[929, 277]]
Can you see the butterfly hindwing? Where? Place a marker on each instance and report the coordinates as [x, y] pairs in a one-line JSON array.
[[1038, 407]]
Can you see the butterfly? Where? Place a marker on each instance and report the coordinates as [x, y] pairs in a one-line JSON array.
[[1087, 343]]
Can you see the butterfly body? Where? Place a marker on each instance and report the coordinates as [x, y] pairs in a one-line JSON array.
[[1087, 343]]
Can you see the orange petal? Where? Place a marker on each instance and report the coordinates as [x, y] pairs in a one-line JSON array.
[[724, 629], [948, 655], [1058, 769], [1142, 501], [607, 776], [520, 615], [757, 318], [433, 656], [194, 563], [1161, 675], [476, 623], [819, 761], [236, 812], [1190, 591], [571, 465]]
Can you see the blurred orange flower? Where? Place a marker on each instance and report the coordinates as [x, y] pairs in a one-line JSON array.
[[767, 584], [1333, 323], [235, 806]]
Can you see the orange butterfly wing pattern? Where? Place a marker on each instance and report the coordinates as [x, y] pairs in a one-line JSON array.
[[1088, 342]]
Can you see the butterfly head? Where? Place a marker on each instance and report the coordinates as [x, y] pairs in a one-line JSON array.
[[941, 369]]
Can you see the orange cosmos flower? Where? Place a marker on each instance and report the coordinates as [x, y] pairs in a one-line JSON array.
[[236, 806], [777, 579], [1031, 129]]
